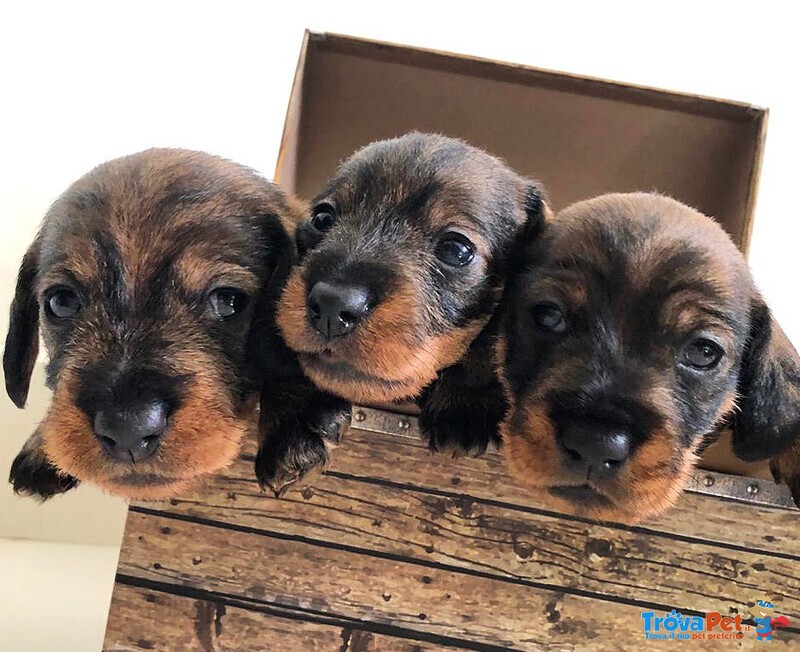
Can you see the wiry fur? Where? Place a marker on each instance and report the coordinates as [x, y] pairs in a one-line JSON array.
[[638, 277], [143, 240], [394, 202]]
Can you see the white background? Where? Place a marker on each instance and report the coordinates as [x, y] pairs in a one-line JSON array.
[[83, 82]]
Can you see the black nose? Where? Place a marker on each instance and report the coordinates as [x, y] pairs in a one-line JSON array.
[[334, 310], [595, 449], [132, 434]]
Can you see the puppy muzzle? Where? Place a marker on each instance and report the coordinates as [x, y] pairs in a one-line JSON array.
[[132, 434], [336, 309], [129, 409]]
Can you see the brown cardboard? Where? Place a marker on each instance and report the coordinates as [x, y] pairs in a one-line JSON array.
[[580, 136]]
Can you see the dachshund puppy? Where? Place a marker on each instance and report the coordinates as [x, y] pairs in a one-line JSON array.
[[403, 261], [632, 335], [142, 280]]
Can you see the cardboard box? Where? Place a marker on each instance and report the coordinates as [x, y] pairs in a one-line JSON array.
[[580, 136]]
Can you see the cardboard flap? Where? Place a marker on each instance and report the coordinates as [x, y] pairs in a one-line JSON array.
[[581, 137]]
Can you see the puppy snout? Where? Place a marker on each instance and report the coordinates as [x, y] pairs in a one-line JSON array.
[[593, 449], [132, 434], [335, 310]]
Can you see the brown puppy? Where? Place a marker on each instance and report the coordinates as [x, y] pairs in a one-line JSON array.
[[403, 261], [142, 280], [631, 336]]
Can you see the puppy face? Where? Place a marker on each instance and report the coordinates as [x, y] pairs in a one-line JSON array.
[[628, 342], [142, 280], [405, 257]]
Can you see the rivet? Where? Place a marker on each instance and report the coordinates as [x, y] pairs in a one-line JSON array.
[[752, 489], [708, 481], [403, 424], [360, 416]]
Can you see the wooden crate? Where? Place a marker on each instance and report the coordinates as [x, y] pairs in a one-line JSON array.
[[397, 549]]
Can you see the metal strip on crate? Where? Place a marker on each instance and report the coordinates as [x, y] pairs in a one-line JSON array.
[[723, 485], [739, 487]]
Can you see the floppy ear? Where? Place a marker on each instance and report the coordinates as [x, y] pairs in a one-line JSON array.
[[307, 237], [22, 341], [537, 215], [269, 353], [768, 419], [277, 237], [537, 209]]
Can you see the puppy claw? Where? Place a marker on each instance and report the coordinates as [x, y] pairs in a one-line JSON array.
[[273, 476], [278, 493], [458, 444], [32, 475], [280, 486]]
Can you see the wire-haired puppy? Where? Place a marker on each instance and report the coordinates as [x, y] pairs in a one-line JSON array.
[[632, 335], [142, 280], [403, 261]]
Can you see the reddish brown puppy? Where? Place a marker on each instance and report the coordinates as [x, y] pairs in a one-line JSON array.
[[403, 261], [632, 335], [143, 280]]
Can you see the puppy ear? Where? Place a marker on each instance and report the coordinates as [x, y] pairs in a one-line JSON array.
[[22, 340], [768, 419], [298, 226], [269, 354], [537, 210], [306, 237]]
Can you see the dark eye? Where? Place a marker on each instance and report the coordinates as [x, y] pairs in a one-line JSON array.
[[63, 303], [455, 250], [227, 302], [323, 217], [701, 354], [549, 317]]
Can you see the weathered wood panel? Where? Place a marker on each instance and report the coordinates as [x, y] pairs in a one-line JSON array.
[[505, 542], [143, 620], [394, 549], [325, 580], [406, 462]]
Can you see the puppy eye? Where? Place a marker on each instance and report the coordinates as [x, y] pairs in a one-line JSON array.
[[63, 303], [549, 317], [227, 302], [323, 217], [455, 250], [701, 354]]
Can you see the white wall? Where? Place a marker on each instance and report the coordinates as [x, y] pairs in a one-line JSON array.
[[82, 82]]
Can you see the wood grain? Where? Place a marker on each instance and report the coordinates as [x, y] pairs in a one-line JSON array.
[[144, 620], [360, 588], [463, 533], [405, 461]]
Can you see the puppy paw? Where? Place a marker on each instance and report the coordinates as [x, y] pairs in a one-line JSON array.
[[785, 468], [301, 444], [32, 475], [460, 432], [463, 423]]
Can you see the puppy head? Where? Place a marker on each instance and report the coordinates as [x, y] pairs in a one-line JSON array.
[[629, 338], [404, 258], [142, 281]]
